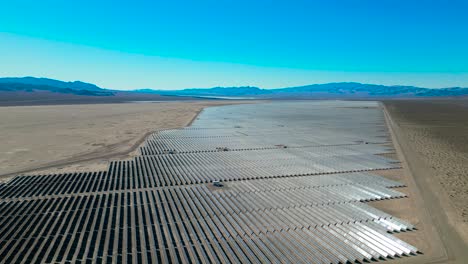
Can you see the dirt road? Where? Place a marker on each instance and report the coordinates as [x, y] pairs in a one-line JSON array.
[[442, 241]]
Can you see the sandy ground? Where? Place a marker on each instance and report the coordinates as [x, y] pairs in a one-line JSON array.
[[438, 132], [441, 234], [83, 137]]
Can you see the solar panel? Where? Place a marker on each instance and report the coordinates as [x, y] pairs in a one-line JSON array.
[[296, 179]]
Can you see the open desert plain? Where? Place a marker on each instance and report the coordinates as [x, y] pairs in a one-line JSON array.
[[217, 181], [431, 137], [83, 136]]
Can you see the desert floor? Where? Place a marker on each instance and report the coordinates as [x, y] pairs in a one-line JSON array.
[[83, 137], [431, 139]]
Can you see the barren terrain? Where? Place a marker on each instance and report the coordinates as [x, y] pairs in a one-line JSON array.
[[83, 136], [430, 139]]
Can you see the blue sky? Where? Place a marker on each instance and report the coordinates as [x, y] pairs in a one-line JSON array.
[[180, 44]]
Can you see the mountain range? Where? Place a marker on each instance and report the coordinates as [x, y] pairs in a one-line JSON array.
[[43, 91], [31, 84], [31, 87], [328, 90]]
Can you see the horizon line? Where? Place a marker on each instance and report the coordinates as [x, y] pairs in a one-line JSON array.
[[241, 86]]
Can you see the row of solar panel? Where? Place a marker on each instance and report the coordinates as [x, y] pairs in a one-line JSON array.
[[193, 168], [187, 224], [160, 145], [159, 209]]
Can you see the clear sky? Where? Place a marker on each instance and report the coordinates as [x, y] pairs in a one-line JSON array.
[[181, 44]]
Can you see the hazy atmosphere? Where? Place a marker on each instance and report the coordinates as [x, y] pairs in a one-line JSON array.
[[270, 44]]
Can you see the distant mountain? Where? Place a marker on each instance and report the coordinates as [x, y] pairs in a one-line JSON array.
[[31, 85], [329, 90], [371, 90], [42, 91], [76, 85], [353, 89], [19, 87], [30, 88]]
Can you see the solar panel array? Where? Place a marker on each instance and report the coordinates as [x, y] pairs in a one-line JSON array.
[[296, 178]]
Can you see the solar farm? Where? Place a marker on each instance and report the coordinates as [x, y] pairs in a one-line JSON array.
[[292, 182]]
